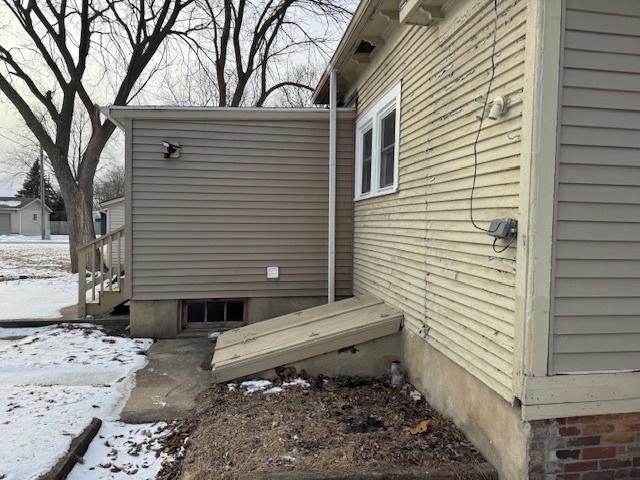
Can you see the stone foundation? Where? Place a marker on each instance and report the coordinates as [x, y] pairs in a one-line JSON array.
[[599, 447]]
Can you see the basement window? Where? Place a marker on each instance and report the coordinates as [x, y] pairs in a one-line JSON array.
[[377, 142], [219, 312]]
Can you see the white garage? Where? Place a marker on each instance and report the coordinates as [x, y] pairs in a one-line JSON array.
[[5, 223], [22, 216]]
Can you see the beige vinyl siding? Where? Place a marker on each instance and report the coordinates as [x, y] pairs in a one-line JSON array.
[[244, 195], [116, 220], [417, 249], [115, 216], [596, 309]]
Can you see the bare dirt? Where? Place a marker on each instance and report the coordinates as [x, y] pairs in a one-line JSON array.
[[336, 425]]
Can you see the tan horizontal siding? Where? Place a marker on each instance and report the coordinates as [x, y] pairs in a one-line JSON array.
[[242, 196], [596, 287], [416, 249]]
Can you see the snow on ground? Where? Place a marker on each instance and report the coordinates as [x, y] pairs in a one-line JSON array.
[[51, 384], [267, 387], [33, 239], [122, 450], [12, 333], [41, 259], [37, 298]]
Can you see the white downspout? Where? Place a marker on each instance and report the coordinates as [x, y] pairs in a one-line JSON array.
[[333, 100]]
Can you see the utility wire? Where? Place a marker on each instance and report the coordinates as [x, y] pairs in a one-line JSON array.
[[484, 108]]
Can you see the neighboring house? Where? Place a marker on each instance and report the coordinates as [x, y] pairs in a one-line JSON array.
[[514, 337], [22, 216], [114, 212]]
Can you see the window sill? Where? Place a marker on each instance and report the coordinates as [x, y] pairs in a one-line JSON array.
[[379, 193]]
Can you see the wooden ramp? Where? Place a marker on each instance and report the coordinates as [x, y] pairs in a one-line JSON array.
[[301, 335]]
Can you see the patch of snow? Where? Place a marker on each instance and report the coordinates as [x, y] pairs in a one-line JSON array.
[[18, 332], [37, 424], [33, 239], [122, 450], [297, 382], [10, 203], [71, 354], [37, 298], [252, 386], [415, 395], [52, 383], [267, 387], [213, 335], [273, 391]]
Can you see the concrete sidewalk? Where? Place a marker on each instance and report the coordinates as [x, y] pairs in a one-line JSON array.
[[168, 386]]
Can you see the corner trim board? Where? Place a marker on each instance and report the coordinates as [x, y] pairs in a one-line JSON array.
[[537, 196]]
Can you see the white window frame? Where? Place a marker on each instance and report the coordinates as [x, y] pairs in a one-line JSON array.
[[372, 118]]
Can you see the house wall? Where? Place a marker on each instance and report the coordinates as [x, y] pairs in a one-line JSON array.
[[26, 224], [15, 222], [417, 249], [245, 193], [115, 215], [596, 275], [116, 220]]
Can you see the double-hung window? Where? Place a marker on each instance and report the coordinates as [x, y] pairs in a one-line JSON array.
[[377, 141]]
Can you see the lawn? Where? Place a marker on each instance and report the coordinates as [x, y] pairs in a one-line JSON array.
[[35, 281]]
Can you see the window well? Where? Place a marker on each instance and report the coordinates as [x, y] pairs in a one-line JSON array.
[[219, 312]]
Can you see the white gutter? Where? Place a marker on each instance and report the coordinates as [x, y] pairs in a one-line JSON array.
[[333, 100]]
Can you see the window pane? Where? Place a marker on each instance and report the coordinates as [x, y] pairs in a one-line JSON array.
[[366, 176], [387, 150], [235, 311], [389, 129], [387, 169], [195, 312], [367, 148], [215, 311]]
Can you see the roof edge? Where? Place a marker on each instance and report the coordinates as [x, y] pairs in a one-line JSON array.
[[119, 114], [112, 201], [358, 20]]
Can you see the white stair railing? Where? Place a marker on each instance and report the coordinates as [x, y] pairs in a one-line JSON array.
[[100, 267]]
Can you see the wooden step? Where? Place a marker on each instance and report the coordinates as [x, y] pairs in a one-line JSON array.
[[301, 335], [106, 302]]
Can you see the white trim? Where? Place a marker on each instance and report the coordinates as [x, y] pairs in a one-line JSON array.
[[537, 180], [112, 201], [333, 102], [572, 395], [372, 118]]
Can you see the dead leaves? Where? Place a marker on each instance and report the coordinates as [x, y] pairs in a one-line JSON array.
[[421, 427]]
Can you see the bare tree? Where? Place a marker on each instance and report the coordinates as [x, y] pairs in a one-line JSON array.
[[59, 54], [109, 184], [254, 51]]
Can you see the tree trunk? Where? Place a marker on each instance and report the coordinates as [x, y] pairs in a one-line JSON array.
[[79, 207]]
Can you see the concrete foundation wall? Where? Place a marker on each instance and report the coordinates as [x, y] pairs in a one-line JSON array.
[[491, 423], [369, 359], [160, 318], [154, 318]]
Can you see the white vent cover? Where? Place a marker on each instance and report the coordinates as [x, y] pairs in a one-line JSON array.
[[273, 273]]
